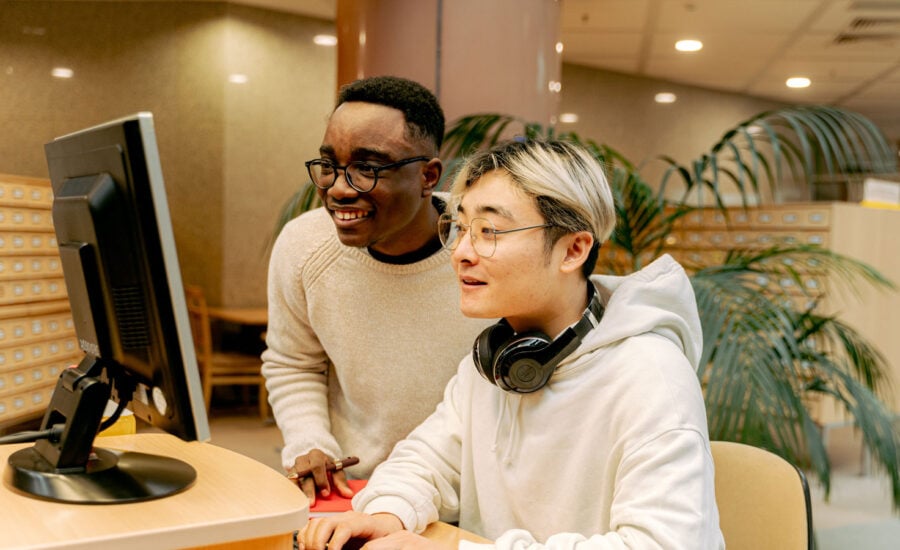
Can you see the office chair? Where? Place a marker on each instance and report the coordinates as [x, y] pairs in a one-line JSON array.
[[219, 367], [763, 499]]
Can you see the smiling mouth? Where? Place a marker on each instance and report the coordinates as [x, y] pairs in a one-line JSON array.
[[471, 282], [350, 215]]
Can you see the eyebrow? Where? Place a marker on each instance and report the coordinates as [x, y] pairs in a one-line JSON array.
[[491, 209], [356, 154]]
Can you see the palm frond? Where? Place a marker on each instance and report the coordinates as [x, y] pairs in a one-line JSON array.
[[764, 360], [814, 141], [644, 219], [304, 199]]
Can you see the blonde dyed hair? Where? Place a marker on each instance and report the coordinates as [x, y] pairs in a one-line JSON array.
[[566, 181]]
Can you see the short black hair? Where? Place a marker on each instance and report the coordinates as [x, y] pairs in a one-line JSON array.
[[423, 113]]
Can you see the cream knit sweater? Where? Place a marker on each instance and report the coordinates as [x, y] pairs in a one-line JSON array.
[[359, 351]]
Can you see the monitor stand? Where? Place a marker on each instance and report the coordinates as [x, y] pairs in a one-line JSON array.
[[72, 469]]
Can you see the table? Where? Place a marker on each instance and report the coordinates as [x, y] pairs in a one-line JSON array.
[[449, 536], [236, 503], [247, 326], [249, 316]]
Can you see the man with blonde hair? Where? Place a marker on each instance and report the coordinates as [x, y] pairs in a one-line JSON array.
[[578, 419]]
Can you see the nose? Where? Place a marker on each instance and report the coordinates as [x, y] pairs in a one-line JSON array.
[[465, 250], [341, 188]]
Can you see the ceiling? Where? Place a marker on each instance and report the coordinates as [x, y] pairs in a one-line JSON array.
[[850, 49]]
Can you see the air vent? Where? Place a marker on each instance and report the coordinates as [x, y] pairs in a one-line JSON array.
[[858, 38], [885, 30], [875, 5], [132, 316], [879, 23]]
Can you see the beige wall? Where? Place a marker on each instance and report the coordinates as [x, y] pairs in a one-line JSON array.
[[618, 110], [231, 153]]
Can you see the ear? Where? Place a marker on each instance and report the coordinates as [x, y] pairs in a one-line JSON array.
[[431, 176], [578, 247]]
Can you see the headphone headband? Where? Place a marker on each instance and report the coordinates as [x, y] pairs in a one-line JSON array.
[[524, 362]]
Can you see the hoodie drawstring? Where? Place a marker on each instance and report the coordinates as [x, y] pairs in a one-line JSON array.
[[509, 407]]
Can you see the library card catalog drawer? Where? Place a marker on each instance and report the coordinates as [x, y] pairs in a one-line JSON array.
[[25, 404], [802, 218], [28, 267], [16, 292], [791, 238], [699, 258], [18, 331], [17, 242], [35, 376], [28, 219], [27, 195], [37, 353]]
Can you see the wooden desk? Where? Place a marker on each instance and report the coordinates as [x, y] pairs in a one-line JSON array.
[[449, 536], [249, 316], [236, 502]]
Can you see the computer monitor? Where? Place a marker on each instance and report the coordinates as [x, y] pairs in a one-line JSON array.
[[124, 285]]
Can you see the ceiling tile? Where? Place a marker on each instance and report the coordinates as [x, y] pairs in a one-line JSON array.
[[711, 16], [603, 15]]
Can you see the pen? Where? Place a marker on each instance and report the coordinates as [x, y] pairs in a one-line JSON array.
[[335, 466]]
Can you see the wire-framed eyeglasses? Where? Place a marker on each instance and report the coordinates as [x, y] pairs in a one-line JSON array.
[[361, 176], [481, 231]]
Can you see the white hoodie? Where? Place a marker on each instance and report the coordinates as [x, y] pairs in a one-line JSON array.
[[612, 453]]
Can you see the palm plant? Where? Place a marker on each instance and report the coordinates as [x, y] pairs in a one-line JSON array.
[[765, 358], [805, 143]]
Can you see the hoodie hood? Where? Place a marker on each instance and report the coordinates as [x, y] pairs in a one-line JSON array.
[[657, 299]]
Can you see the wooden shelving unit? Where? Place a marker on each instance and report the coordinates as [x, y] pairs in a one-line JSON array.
[[37, 338], [866, 234]]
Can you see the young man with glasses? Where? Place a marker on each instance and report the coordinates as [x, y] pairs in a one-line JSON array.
[[364, 328], [578, 419]]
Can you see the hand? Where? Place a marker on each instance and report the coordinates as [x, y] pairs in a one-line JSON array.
[[402, 540], [333, 532], [312, 474]]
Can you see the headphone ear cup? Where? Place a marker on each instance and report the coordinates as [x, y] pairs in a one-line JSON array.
[[520, 365], [483, 351]]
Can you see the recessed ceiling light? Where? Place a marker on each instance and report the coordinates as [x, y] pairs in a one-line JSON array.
[[559, 47], [237, 78], [798, 82], [665, 97], [62, 72], [568, 118], [325, 40], [688, 45]]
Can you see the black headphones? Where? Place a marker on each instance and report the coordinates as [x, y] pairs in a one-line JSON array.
[[523, 363]]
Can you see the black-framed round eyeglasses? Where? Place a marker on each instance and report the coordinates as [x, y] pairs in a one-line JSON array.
[[361, 176], [481, 231]]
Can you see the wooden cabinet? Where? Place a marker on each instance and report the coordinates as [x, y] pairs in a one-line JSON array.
[[37, 338], [866, 234]]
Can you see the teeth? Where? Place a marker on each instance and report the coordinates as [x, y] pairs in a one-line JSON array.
[[349, 215]]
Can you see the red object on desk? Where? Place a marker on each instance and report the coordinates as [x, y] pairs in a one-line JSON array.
[[335, 503]]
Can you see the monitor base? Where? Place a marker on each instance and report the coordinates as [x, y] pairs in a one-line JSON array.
[[110, 477]]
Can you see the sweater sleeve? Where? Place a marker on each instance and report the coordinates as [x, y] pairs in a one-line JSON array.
[[294, 363], [419, 482]]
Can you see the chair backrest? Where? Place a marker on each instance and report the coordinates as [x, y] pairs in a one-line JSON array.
[[763, 499], [198, 313]]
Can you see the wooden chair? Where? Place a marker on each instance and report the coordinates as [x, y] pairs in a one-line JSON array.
[[763, 499], [219, 367]]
